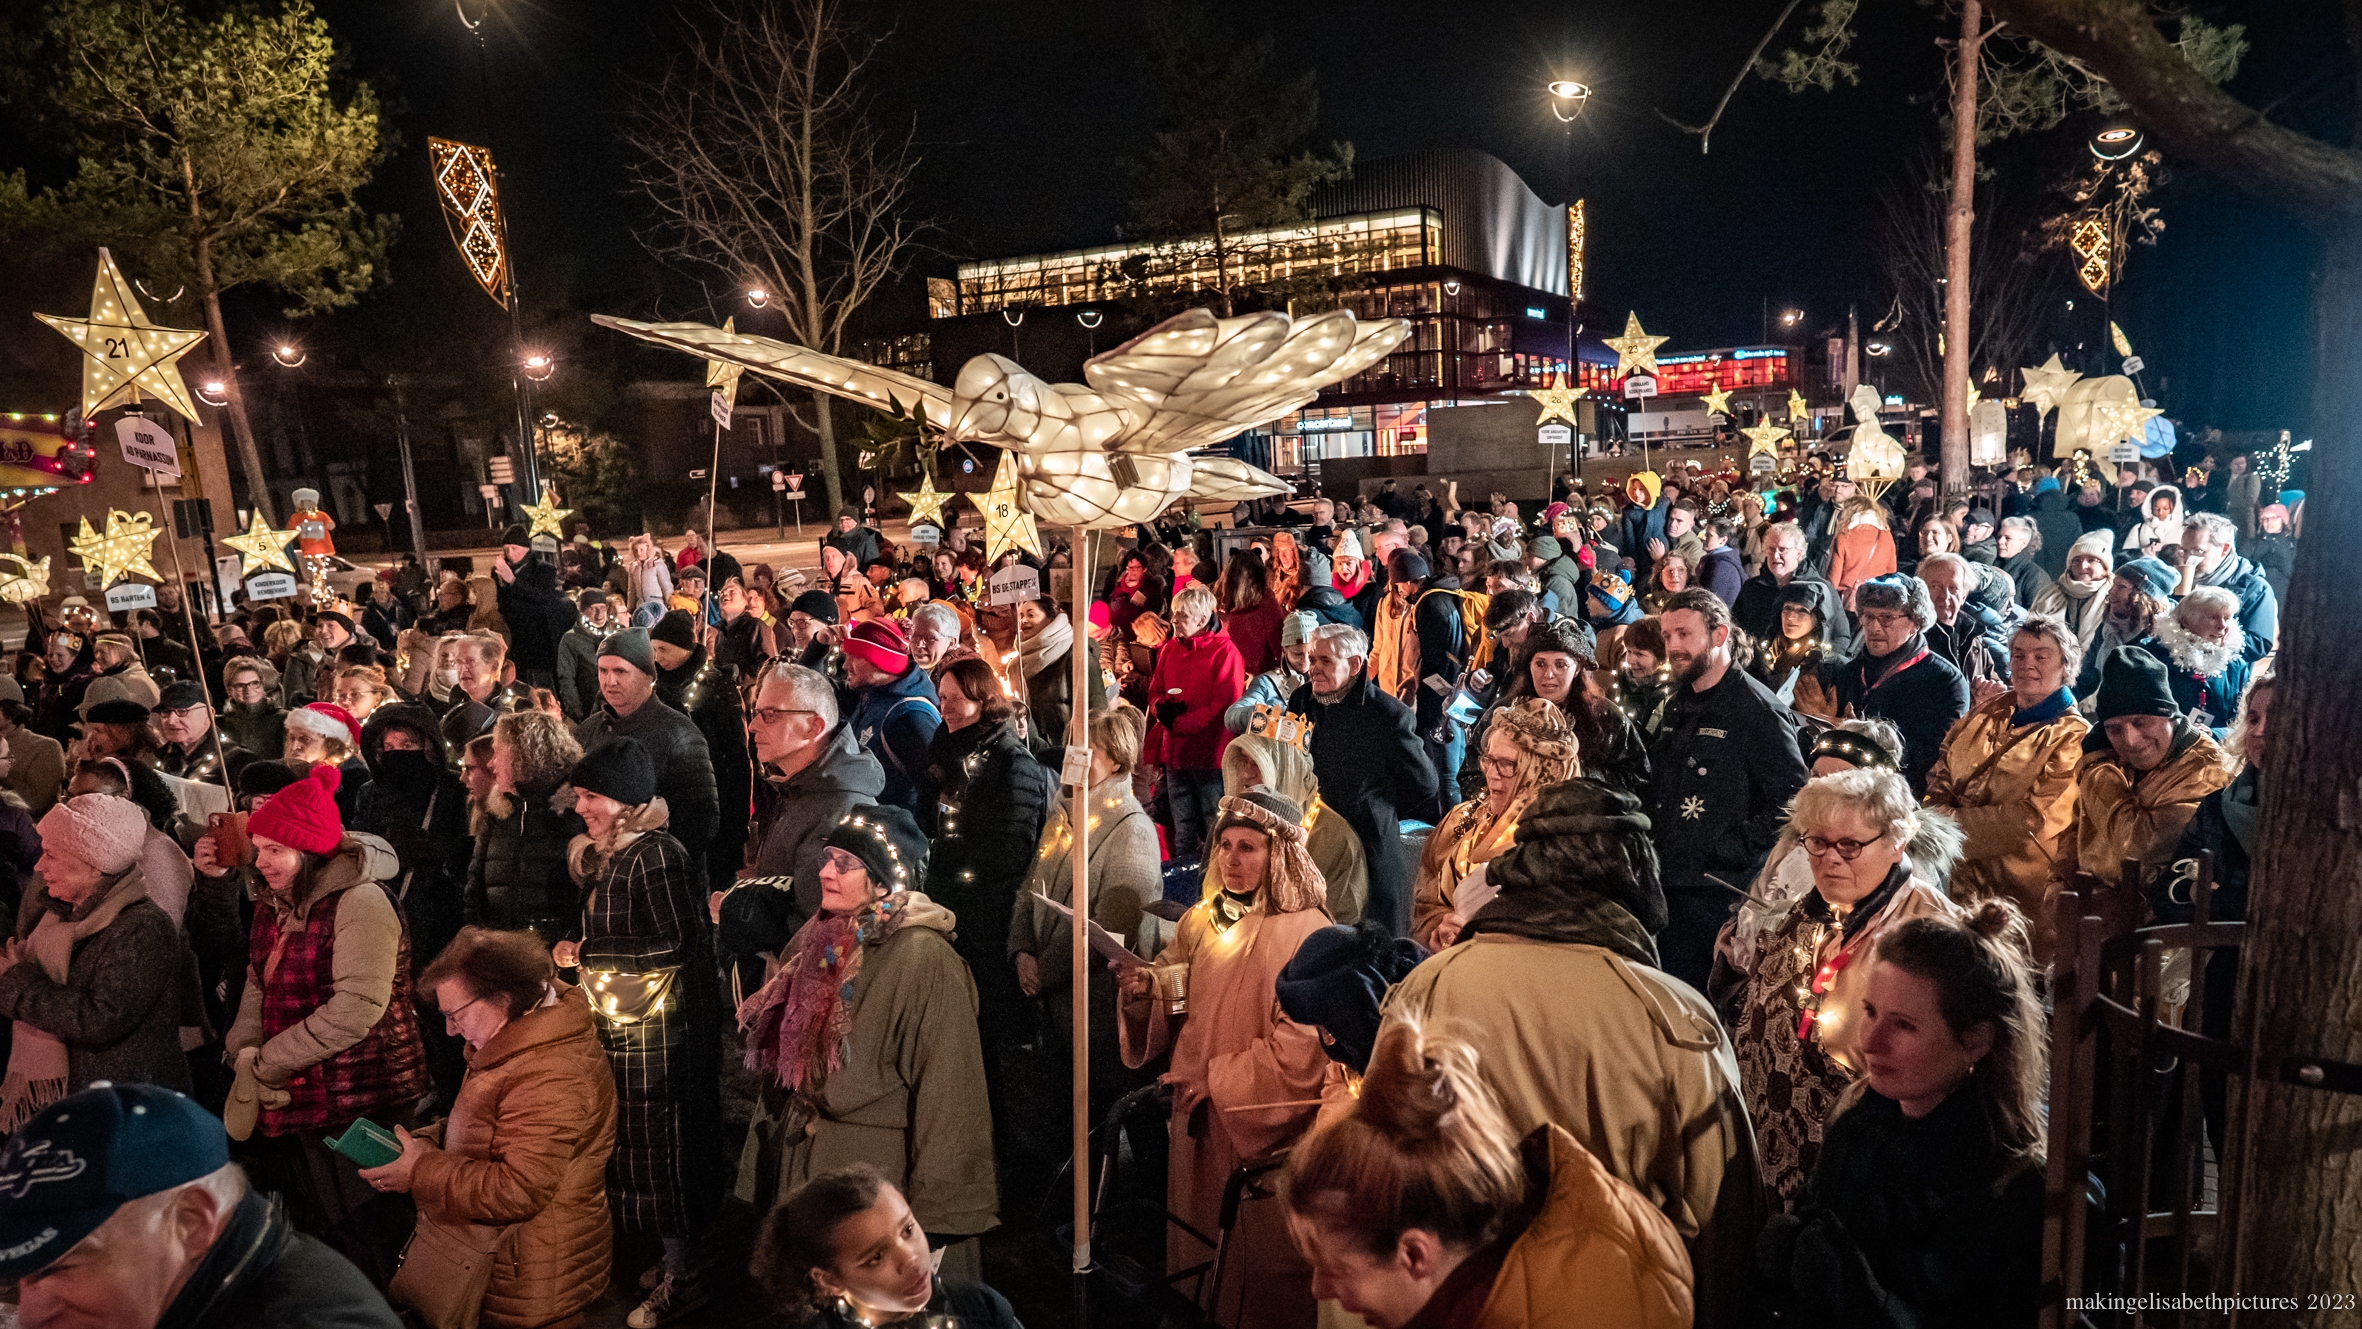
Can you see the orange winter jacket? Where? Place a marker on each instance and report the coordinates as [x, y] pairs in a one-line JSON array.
[[1598, 1255], [527, 1143]]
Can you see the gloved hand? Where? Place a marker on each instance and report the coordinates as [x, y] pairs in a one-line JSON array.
[[1170, 711]]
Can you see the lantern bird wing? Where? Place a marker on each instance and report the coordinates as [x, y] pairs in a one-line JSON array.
[[797, 365], [1196, 380]]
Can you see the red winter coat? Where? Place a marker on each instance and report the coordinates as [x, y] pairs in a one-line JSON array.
[[1210, 676], [1256, 634]]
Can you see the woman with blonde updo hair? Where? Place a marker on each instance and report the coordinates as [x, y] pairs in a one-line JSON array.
[[1419, 1205], [1527, 744]]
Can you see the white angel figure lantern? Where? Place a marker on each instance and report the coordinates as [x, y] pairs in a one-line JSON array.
[[1115, 450], [1876, 460]]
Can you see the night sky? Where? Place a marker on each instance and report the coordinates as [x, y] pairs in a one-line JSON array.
[[1027, 113]]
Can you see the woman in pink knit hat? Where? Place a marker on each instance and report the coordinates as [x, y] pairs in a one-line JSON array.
[[327, 1019]]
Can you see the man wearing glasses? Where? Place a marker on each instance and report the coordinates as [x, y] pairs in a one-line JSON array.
[[1723, 765], [816, 774], [186, 724], [1896, 676]]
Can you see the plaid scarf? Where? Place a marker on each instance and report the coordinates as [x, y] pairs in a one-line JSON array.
[[799, 1023]]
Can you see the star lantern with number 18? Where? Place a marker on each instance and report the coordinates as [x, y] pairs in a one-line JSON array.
[[1007, 525]]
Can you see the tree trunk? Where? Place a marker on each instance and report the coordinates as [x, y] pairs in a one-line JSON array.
[[258, 488], [824, 424], [2302, 968], [1959, 227]]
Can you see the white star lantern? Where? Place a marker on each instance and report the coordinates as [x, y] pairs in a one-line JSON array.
[[126, 356]]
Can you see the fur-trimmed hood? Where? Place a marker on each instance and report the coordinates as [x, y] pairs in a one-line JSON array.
[[587, 857]]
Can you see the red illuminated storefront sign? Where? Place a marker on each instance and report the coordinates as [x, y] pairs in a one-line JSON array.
[[1746, 367]]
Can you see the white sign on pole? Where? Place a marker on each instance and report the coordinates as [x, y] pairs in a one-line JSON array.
[[1637, 386], [1555, 436], [270, 586], [721, 408], [2133, 364], [926, 534], [130, 595], [795, 481], [385, 512], [148, 445], [2123, 451], [1013, 585]]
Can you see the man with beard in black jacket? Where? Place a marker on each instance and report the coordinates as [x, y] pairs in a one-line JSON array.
[[684, 771], [414, 803], [708, 694], [1370, 761], [1723, 765], [538, 614], [817, 772]]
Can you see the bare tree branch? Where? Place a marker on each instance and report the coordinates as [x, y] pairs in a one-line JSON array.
[[1705, 132]]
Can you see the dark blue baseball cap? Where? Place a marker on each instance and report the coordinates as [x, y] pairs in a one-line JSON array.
[[67, 1171]]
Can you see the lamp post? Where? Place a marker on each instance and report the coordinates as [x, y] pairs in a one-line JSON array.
[[1568, 100]]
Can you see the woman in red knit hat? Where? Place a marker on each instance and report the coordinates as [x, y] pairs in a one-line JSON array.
[[327, 1018]]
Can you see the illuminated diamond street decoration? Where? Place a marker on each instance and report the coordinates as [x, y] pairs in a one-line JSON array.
[[470, 194]]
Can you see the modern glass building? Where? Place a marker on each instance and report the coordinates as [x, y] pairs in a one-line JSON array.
[[1454, 242]]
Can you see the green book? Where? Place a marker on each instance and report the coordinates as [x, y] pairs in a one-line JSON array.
[[367, 1143]]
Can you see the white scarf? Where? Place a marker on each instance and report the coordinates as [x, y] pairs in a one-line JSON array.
[[1046, 647], [38, 1069], [2206, 659], [2084, 604]]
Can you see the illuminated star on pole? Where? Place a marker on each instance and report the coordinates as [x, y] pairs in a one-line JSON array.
[[261, 549], [547, 516], [1007, 525], [2121, 418], [1636, 351], [122, 551], [128, 357], [926, 502], [2043, 385], [1764, 438], [1558, 401], [1718, 401], [1798, 412], [721, 375]]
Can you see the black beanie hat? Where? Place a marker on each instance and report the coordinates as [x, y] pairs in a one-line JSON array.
[[266, 777], [2133, 682], [1406, 565], [817, 604], [630, 646], [888, 842], [674, 629], [620, 769], [515, 534], [1338, 977]]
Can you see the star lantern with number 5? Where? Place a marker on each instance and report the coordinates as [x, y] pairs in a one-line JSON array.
[[261, 549], [126, 355]]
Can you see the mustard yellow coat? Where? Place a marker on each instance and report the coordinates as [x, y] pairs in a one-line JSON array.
[[2014, 811], [1598, 1255]]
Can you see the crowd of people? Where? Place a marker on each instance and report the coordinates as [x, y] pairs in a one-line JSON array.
[[1647, 902]]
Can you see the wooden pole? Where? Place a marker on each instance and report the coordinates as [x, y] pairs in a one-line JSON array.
[[1084, 658]]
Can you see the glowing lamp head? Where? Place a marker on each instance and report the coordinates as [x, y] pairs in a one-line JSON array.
[[1566, 89], [2116, 143], [757, 296]]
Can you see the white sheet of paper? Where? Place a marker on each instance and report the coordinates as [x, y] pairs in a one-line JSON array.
[[1473, 893], [199, 800], [1110, 947]]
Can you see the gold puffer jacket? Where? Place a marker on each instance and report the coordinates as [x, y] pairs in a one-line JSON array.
[[2015, 807], [2120, 814]]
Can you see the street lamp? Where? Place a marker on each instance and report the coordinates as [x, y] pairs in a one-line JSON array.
[[757, 296], [289, 355], [1568, 99], [2116, 143], [1791, 317], [539, 367], [214, 392], [1878, 348]]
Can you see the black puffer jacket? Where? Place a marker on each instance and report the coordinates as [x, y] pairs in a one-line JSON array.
[[684, 769], [708, 694], [518, 878], [414, 803], [1373, 768], [990, 800], [263, 1274], [537, 614]]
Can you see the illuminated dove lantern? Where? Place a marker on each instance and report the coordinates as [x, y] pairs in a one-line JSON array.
[[2095, 412], [1115, 449], [1876, 460]]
